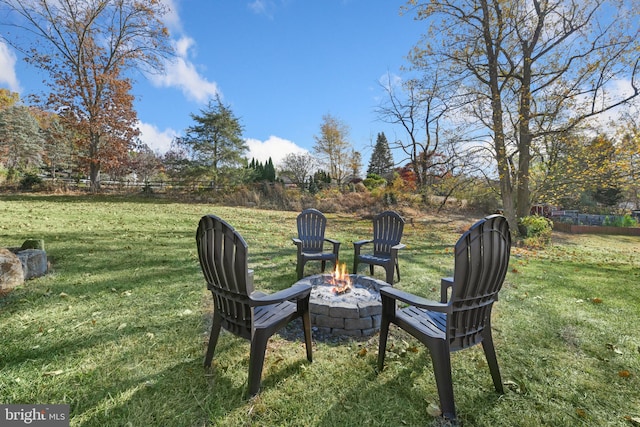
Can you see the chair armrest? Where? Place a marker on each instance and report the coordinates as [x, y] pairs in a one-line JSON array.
[[336, 245], [297, 241], [414, 300], [296, 291], [445, 284], [361, 242], [398, 246], [356, 249]]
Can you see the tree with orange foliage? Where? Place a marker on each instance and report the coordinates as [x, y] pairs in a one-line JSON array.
[[86, 46]]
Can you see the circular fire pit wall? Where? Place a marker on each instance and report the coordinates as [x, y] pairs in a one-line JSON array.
[[355, 313]]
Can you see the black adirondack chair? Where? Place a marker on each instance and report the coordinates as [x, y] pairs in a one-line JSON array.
[[463, 318], [310, 241], [237, 307], [387, 233]]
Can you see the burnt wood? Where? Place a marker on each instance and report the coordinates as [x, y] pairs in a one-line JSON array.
[[238, 308], [462, 318]]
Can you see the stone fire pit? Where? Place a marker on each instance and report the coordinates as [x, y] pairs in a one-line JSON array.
[[355, 313]]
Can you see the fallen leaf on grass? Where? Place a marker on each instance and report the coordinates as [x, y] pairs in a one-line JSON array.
[[514, 386], [633, 420], [624, 374], [581, 413], [596, 300], [362, 352], [613, 348], [434, 410], [53, 373], [122, 326]]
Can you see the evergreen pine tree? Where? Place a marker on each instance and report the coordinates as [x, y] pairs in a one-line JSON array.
[[381, 162], [269, 171]]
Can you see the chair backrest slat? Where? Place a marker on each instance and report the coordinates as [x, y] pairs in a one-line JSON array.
[[481, 263], [387, 231], [311, 227], [223, 258]]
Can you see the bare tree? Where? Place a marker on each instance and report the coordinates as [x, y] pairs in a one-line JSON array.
[[333, 148], [420, 109], [86, 46], [355, 164], [529, 69], [298, 167]]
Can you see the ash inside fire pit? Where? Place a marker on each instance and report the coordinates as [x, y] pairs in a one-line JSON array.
[[355, 313]]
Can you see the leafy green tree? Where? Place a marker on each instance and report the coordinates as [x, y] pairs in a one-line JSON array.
[[20, 140], [628, 146], [577, 171], [262, 172], [269, 171], [381, 162], [214, 144]]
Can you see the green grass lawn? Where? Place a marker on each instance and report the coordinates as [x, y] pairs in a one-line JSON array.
[[118, 329]]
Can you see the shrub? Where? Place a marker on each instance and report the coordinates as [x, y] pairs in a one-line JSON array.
[[29, 181], [536, 230], [374, 181], [620, 221]]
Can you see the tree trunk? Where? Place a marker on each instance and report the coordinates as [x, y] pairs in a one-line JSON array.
[[94, 177], [500, 151]]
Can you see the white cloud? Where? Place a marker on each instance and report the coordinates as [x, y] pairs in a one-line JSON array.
[[183, 45], [182, 73], [7, 68], [274, 147], [172, 17], [158, 140]]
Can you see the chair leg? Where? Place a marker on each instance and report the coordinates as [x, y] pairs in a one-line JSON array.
[[324, 265], [442, 370], [300, 268], [256, 361], [389, 274], [492, 360], [306, 325], [213, 339], [382, 345], [398, 269], [371, 269]]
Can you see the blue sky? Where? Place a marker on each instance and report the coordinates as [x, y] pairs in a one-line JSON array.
[[279, 64]]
